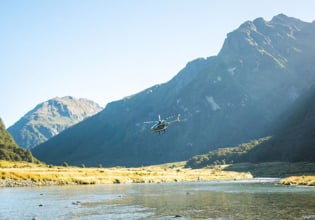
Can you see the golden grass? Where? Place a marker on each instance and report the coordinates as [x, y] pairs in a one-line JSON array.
[[41, 174], [299, 180], [30, 174], [19, 164]]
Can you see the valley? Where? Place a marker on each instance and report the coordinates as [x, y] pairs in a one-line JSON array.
[[157, 110], [258, 85], [247, 112]]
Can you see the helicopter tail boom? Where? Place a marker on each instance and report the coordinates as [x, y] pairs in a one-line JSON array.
[[177, 119]]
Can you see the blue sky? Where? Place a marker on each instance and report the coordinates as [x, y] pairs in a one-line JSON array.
[[105, 50]]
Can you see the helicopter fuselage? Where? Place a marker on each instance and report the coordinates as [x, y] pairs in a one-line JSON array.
[[160, 126]]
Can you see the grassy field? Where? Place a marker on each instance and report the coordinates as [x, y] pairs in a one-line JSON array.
[[27, 174]]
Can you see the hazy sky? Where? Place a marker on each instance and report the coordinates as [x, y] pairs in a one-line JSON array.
[[105, 50]]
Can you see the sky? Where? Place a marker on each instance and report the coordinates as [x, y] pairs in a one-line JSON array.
[[104, 50]]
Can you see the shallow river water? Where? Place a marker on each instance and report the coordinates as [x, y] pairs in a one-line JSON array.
[[254, 199]]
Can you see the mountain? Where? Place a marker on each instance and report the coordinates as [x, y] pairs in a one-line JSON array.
[[224, 100], [9, 150], [50, 118]]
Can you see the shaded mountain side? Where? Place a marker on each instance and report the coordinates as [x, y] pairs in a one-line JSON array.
[[50, 118], [293, 140], [224, 100], [9, 150]]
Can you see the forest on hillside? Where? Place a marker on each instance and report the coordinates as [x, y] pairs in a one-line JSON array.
[[9, 150]]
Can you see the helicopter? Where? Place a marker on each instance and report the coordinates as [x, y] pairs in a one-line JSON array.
[[162, 124]]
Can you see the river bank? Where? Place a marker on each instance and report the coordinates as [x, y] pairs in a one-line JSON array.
[[298, 180], [24, 174], [21, 174], [300, 173]]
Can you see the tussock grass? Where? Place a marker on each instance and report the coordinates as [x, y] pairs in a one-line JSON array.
[[30, 174], [19, 164], [299, 180], [41, 174]]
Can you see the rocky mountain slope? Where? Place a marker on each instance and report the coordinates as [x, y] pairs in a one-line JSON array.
[[50, 118], [224, 100], [9, 150]]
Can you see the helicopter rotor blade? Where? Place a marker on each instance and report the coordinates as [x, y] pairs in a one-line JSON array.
[[165, 120], [149, 122]]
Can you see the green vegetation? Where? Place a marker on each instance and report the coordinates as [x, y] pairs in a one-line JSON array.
[[223, 156], [9, 150]]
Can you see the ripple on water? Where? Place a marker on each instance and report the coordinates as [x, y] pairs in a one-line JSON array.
[[217, 200], [94, 211]]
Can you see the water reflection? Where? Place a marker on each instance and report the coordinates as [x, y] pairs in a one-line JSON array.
[[212, 200]]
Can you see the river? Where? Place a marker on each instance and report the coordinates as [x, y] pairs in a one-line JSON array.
[[248, 199]]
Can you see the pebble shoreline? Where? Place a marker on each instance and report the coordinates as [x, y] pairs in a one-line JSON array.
[[29, 183], [24, 183]]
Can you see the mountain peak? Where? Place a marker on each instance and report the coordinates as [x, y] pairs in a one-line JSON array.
[[51, 117], [281, 17], [261, 37], [284, 19]]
